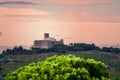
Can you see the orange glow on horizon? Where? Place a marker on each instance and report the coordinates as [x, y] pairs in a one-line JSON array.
[[88, 21]]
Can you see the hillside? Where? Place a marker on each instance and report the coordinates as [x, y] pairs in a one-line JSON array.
[[12, 62]]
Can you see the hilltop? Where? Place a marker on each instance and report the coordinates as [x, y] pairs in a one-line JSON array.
[[10, 63], [11, 59]]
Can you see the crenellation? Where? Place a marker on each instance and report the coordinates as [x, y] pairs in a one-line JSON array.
[[48, 42]]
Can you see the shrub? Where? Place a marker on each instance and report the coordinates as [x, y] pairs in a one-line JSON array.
[[64, 67]]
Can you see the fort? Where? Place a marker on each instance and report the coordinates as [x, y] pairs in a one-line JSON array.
[[48, 42]]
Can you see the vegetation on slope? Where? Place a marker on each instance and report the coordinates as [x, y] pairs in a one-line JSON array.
[[11, 59], [65, 67], [74, 47], [12, 62]]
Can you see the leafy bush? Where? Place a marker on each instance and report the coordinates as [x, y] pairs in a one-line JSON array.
[[64, 67]]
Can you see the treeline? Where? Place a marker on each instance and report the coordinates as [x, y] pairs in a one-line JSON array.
[[16, 50], [111, 49], [72, 47]]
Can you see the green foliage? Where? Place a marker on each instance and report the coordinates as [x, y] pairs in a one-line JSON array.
[[72, 47], [65, 48], [65, 67], [111, 49], [16, 50]]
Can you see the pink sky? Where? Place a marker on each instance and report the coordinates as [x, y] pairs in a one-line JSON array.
[[88, 21]]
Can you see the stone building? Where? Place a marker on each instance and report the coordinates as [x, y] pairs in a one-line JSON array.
[[48, 42]]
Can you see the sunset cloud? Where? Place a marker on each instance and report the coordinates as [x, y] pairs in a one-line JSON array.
[[77, 2], [91, 21], [16, 3], [7, 12], [88, 17], [60, 2], [84, 2]]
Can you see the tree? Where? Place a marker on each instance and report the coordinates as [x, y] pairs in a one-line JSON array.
[[64, 67]]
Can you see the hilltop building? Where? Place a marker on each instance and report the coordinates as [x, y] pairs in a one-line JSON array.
[[48, 42]]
